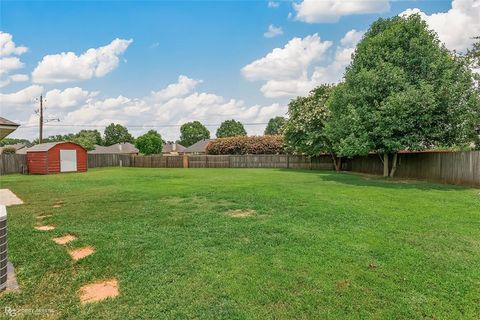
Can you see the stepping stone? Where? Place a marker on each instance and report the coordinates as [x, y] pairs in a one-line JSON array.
[[81, 253], [45, 216], [98, 291], [65, 239], [44, 228]]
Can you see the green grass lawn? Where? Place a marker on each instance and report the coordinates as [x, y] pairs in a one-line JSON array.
[[321, 245]]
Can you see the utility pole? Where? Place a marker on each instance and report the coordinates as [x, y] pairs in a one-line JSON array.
[[40, 138], [41, 122]]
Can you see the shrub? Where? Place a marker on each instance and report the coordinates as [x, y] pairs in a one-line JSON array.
[[9, 150], [247, 145]]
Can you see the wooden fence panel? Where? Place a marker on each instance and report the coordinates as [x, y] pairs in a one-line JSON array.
[[445, 167], [13, 163], [108, 160]]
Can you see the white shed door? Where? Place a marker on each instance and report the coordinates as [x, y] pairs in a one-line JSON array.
[[68, 160]]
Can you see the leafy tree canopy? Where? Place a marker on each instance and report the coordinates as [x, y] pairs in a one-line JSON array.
[[9, 141], [275, 126], [116, 133], [88, 139], [307, 116], [231, 128], [150, 143], [192, 132], [402, 91]]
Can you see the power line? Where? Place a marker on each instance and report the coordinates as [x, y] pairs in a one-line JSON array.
[[132, 126]]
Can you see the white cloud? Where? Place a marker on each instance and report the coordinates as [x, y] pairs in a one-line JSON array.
[[313, 11], [25, 96], [273, 4], [290, 61], [273, 31], [67, 66], [8, 47], [175, 104], [67, 98], [19, 77], [296, 69], [183, 86], [8, 61], [456, 27]]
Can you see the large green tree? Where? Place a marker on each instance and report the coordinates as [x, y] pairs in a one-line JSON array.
[[472, 60], [116, 133], [403, 91], [87, 139], [231, 128], [150, 143], [275, 126], [192, 132], [304, 130]]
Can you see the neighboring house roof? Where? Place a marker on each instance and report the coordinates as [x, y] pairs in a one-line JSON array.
[[199, 146], [120, 148], [7, 127], [173, 147], [16, 146], [47, 146]]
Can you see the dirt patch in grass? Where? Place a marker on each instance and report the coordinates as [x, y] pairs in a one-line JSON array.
[[99, 291], [65, 239], [81, 253], [241, 213], [44, 228]]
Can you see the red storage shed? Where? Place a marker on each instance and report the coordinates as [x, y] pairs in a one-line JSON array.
[[56, 157]]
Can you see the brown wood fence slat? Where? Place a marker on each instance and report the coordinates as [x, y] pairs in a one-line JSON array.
[[445, 167], [13, 163]]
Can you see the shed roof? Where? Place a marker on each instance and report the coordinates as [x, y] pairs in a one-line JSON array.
[[199, 146], [6, 122], [47, 146]]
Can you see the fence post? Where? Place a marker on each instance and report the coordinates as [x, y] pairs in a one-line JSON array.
[[185, 161]]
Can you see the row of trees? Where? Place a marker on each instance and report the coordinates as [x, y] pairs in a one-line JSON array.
[[151, 142], [402, 91]]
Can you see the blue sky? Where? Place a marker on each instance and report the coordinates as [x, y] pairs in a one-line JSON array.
[[219, 46]]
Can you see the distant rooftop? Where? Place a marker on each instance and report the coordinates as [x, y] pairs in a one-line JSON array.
[[119, 148], [199, 146]]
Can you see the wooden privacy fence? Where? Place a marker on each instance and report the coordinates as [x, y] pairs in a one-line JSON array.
[[108, 160], [445, 167], [13, 163]]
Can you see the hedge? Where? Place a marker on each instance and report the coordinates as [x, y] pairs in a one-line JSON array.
[[247, 145]]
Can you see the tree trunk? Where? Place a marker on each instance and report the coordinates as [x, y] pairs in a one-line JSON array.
[[394, 165], [337, 162], [385, 165]]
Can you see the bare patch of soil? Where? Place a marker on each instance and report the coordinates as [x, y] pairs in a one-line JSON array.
[[44, 228], [241, 213], [65, 239], [57, 205], [98, 291], [81, 253]]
